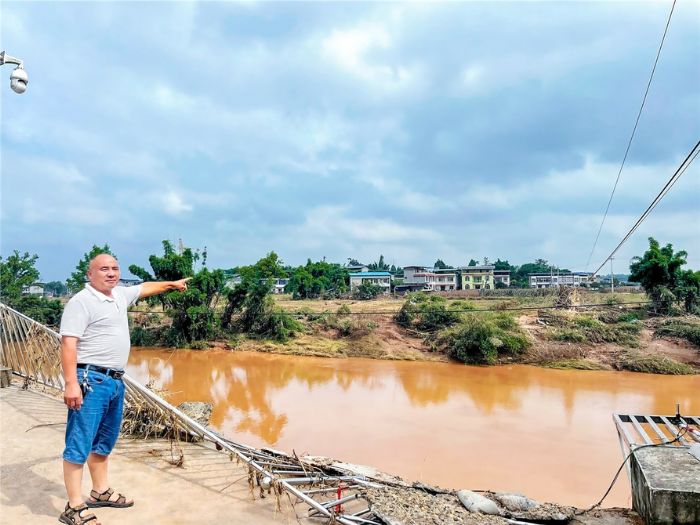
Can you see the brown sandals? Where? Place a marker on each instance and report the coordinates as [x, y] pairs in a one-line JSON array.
[[103, 500], [74, 516]]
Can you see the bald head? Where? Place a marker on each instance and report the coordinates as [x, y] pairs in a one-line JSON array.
[[103, 273]]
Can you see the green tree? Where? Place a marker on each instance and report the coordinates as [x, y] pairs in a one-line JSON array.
[[473, 262], [379, 266], [520, 274], [57, 288], [16, 272], [353, 262], [269, 267], [440, 264], [250, 307], [688, 290], [76, 281], [318, 279], [191, 311], [502, 265], [660, 274]]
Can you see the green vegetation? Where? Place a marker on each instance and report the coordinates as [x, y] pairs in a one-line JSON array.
[[76, 281], [367, 291], [661, 275], [318, 280], [56, 288], [483, 338], [426, 313], [467, 337], [17, 272], [250, 307], [682, 328], [636, 361], [577, 328], [191, 311]]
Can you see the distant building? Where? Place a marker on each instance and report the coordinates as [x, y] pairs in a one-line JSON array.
[[33, 289], [357, 268], [431, 279], [550, 280], [477, 277], [409, 273], [382, 279], [501, 276], [129, 282], [278, 284]]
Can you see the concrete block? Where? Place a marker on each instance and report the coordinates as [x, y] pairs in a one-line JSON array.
[[666, 486]]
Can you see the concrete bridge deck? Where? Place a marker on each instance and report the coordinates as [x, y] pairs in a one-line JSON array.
[[209, 489]]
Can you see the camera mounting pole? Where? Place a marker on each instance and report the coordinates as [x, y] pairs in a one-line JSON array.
[[7, 59]]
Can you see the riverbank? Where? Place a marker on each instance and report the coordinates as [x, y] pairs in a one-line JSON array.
[[612, 334], [551, 346]]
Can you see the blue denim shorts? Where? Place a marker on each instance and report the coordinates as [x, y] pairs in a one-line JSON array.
[[95, 426]]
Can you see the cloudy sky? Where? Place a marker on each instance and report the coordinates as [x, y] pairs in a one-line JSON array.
[[415, 130]]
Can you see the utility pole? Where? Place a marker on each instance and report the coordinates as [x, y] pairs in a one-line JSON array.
[[612, 277]]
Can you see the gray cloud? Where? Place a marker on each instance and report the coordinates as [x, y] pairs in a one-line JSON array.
[[418, 131]]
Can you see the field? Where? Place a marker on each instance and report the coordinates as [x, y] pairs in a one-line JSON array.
[[391, 305]]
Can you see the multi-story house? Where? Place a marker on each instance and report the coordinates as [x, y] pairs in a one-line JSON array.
[[550, 280], [477, 277], [501, 276], [382, 279], [432, 280]]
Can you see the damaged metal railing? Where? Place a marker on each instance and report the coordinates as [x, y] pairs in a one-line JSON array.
[[32, 351]]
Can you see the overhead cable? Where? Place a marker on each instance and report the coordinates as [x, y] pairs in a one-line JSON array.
[[634, 130], [674, 178]]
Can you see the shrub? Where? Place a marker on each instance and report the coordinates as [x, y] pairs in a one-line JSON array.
[[367, 291], [343, 310], [579, 328], [425, 312], [569, 335], [687, 330], [635, 361], [480, 339], [142, 336], [355, 328], [613, 300]]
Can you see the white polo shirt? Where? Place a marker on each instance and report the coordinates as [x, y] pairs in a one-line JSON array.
[[101, 325]]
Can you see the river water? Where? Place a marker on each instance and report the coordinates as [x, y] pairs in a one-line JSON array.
[[547, 433]]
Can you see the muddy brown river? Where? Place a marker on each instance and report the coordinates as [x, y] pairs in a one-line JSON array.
[[547, 433]]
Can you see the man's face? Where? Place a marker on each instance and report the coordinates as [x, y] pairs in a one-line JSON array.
[[104, 273]]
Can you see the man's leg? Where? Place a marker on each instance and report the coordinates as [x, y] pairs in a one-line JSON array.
[[106, 438], [99, 466], [73, 478]]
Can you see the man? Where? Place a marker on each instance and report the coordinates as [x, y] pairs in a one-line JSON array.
[[94, 350]]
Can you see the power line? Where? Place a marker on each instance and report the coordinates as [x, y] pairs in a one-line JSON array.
[[634, 130], [674, 178]]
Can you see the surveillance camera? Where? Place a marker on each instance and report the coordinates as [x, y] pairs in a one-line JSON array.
[[19, 80]]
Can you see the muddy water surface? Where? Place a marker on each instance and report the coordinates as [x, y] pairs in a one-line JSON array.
[[547, 433]]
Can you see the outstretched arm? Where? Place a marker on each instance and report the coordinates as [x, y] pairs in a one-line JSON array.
[[158, 287]]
